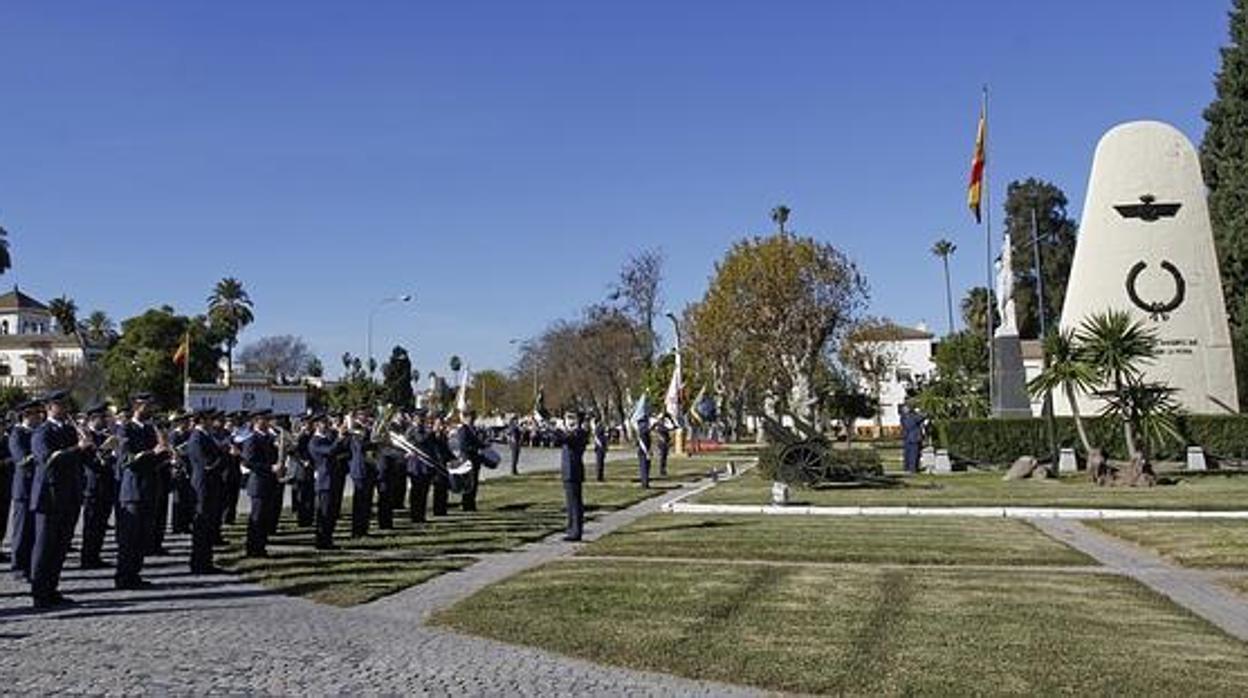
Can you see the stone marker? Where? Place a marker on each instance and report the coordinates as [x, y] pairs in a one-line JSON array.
[[1196, 458], [1009, 379], [779, 493], [1145, 246], [942, 464], [1021, 469], [1067, 462], [927, 459]]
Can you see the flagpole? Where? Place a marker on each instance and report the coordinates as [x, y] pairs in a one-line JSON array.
[[988, 246]]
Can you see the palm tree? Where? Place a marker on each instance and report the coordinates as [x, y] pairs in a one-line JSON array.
[[98, 328], [1065, 369], [65, 312], [943, 248], [1118, 349], [229, 308], [780, 216], [6, 262], [978, 305]]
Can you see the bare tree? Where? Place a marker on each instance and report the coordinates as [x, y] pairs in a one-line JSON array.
[[278, 356], [638, 293]]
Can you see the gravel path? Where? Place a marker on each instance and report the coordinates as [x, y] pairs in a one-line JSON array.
[[1195, 590], [217, 634]]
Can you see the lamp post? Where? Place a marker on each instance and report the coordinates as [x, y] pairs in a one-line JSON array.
[[405, 298], [680, 429]]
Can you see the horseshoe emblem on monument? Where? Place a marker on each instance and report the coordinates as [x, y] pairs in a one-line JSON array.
[[1157, 310]]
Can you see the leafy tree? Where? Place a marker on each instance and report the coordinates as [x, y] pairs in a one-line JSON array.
[[871, 352], [85, 381], [278, 357], [943, 249], [356, 390], [978, 302], [98, 329], [142, 359], [315, 368], [959, 387], [497, 392], [1224, 161], [1056, 232], [1066, 370], [11, 395], [65, 312], [230, 310], [1118, 348], [397, 379], [780, 216], [777, 305]]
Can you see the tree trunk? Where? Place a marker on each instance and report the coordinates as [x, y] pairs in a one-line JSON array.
[[1074, 412], [1128, 428]]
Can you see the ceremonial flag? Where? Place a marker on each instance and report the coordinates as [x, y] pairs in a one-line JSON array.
[[975, 192], [183, 351], [642, 409], [461, 400], [671, 401], [694, 415], [540, 413]]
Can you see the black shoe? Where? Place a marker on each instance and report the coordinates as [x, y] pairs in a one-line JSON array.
[[207, 571], [330, 546], [94, 565], [44, 604], [4, 558], [572, 539], [161, 552], [60, 600]]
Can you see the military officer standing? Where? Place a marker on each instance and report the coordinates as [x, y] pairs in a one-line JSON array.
[[420, 469], [205, 457], [232, 473], [469, 446], [324, 448], [22, 535], [139, 452], [575, 439], [600, 450], [99, 489], [161, 489], [513, 439], [182, 494], [664, 434], [362, 478], [6, 481], [643, 450], [303, 478], [912, 423], [259, 456], [55, 491], [440, 448]]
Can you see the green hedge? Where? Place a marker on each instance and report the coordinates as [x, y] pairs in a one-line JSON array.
[[1003, 440]]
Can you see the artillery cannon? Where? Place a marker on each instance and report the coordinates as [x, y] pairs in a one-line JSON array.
[[803, 456]]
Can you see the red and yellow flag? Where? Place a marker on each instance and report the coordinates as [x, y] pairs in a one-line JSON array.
[[184, 350], [975, 191]]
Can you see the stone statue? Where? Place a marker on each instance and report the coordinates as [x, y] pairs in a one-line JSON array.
[[1005, 292]]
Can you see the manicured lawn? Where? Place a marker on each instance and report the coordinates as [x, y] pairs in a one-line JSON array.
[[1213, 491], [512, 511], [905, 540], [864, 631], [1191, 542]]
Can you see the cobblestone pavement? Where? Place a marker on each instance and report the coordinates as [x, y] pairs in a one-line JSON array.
[[1195, 590], [217, 634]]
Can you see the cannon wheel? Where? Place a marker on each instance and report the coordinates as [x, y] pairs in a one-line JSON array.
[[801, 463]]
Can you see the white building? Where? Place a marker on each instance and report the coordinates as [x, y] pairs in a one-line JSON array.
[[31, 343], [244, 392], [908, 353]]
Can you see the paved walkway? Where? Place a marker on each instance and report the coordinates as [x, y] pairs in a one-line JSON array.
[[1029, 513], [217, 634], [1195, 590]]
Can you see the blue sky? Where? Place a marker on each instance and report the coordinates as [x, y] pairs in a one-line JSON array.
[[500, 159]]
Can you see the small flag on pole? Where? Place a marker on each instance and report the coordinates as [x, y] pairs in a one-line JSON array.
[[975, 192], [183, 351], [461, 400], [671, 401]]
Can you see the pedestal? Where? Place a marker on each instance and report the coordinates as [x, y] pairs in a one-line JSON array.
[[942, 466], [1067, 462], [927, 460], [1009, 380], [1196, 459]]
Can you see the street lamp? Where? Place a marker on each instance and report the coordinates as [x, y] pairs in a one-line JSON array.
[[405, 298]]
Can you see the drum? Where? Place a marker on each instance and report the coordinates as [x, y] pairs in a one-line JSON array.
[[490, 458]]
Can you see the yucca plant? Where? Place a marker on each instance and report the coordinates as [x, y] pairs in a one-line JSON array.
[[1118, 348], [1066, 370]]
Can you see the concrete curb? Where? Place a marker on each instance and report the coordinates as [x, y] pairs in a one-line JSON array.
[[681, 507]]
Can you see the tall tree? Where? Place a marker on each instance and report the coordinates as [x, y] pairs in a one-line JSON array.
[[1055, 232], [65, 312], [1224, 161], [780, 216], [943, 249], [278, 357], [639, 294], [98, 329], [397, 379], [976, 305], [230, 310], [142, 359]]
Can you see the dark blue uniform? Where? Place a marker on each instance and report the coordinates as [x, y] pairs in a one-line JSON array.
[[99, 491], [385, 464], [23, 519], [6, 487], [303, 479], [232, 477], [259, 458], [55, 491], [421, 469], [183, 495], [206, 459], [600, 453], [513, 438], [362, 480], [136, 496], [664, 445], [912, 439], [159, 493], [643, 451], [469, 445], [573, 472], [325, 450]]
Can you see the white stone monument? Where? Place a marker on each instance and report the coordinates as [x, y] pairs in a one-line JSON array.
[[1145, 246], [1009, 382]]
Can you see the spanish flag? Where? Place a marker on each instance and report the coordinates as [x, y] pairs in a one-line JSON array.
[[184, 350], [975, 191]]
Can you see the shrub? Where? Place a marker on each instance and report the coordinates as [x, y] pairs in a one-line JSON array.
[[1001, 441]]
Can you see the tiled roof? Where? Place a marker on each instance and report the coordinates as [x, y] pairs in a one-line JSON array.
[[16, 300]]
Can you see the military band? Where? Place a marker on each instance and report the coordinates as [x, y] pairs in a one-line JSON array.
[[184, 473]]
